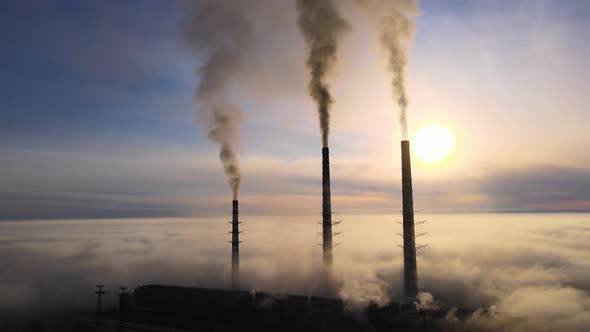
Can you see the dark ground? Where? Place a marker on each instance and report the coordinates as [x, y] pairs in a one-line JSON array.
[[171, 308]]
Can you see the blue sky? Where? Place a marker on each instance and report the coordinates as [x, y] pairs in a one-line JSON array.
[[91, 69], [98, 116]]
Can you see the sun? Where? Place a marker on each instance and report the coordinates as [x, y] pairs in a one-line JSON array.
[[433, 143]]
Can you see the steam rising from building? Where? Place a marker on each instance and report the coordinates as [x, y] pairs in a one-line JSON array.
[[219, 32], [321, 26]]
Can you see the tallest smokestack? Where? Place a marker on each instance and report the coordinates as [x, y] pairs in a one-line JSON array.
[[326, 209], [410, 265]]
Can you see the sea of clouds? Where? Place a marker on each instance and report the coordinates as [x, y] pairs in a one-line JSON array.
[[531, 266]]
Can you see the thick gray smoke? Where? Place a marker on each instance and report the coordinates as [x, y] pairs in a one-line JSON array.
[[224, 125], [321, 26], [396, 25], [219, 31]]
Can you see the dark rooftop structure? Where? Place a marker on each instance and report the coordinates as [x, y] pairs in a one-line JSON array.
[[174, 308]]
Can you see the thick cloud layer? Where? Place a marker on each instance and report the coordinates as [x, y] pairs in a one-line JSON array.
[[533, 266]]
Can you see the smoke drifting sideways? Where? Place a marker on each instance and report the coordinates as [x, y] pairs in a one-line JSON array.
[[322, 27], [218, 31], [396, 29]]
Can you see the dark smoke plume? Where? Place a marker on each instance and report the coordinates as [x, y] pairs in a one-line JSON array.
[[219, 31], [321, 26], [224, 123], [396, 22]]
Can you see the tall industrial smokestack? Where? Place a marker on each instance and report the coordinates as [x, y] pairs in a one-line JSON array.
[[410, 265], [235, 247], [326, 209]]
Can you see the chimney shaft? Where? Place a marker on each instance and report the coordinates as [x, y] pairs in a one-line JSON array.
[[235, 246], [410, 265], [326, 209]]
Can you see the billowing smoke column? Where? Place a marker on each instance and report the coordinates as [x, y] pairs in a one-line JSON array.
[[235, 246], [396, 23], [221, 130], [219, 31], [322, 26], [410, 265]]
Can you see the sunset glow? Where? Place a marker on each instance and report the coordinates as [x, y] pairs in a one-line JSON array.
[[297, 165], [433, 143]]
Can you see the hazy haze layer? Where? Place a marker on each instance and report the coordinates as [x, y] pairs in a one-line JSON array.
[[532, 265]]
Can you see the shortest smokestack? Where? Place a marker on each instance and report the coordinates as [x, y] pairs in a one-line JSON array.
[[410, 265], [235, 247]]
